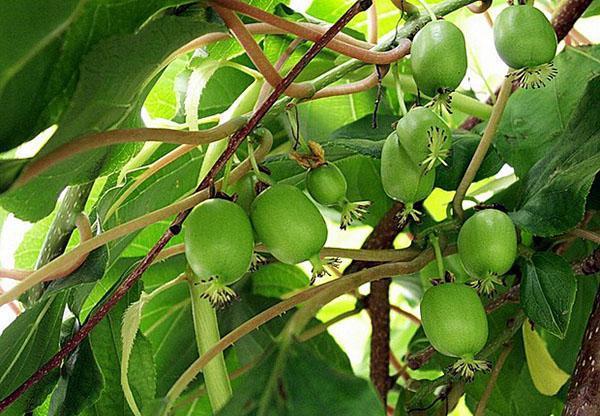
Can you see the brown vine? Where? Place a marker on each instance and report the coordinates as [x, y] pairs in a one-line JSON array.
[[378, 302]]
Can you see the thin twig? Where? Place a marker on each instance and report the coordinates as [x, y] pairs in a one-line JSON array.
[[482, 148], [258, 57], [85, 233], [109, 138], [489, 388], [322, 327], [586, 235], [406, 314]]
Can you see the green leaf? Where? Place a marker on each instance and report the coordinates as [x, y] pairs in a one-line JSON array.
[[304, 391], [548, 292], [26, 60], [80, 387], [534, 119], [30, 340], [556, 187], [277, 279], [114, 78]]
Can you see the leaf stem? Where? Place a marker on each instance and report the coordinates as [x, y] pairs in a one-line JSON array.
[[482, 148], [108, 138], [206, 328], [439, 260], [428, 9]]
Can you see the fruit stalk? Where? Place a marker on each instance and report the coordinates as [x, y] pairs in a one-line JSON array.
[[206, 327], [483, 147]]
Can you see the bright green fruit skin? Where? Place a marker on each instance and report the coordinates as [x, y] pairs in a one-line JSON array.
[[487, 243], [454, 320], [244, 190], [288, 223], [412, 132], [524, 37], [402, 179], [438, 57], [326, 184], [218, 240]]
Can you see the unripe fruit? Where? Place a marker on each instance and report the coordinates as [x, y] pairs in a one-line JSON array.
[[219, 243], [326, 184], [454, 320], [425, 137], [487, 244], [402, 179], [524, 37], [438, 57], [289, 224]]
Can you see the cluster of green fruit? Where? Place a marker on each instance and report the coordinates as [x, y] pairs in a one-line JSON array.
[[219, 236], [453, 316], [524, 39]]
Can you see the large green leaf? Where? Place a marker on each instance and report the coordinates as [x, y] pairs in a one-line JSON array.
[[25, 346], [556, 187], [548, 292], [114, 78], [534, 119]]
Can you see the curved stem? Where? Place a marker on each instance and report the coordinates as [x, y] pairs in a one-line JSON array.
[[58, 265], [364, 84], [99, 140], [489, 388], [309, 33], [428, 9], [482, 148], [406, 314], [480, 7], [439, 260], [266, 29], [257, 56], [399, 92], [586, 235], [206, 328], [283, 58], [322, 327], [372, 35], [85, 233], [157, 165], [380, 256]]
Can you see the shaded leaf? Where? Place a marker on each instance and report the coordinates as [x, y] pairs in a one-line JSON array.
[[277, 279], [548, 292], [556, 187]]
